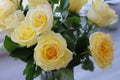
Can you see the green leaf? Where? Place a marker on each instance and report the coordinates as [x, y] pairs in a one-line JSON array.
[[29, 70], [64, 4], [28, 67], [74, 62], [21, 6], [57, 9], [23, 53], [38, 71], [32, 71], [71, 21], [70, 38], [59, 28], [74, 19], [71, 14], [56, 21], [82, 44], [9, 44], [26, 59], [66, 74], [53, 2], [88, 64]]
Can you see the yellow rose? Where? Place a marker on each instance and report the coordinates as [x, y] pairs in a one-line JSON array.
[[11, 20], [101, 14], [76, 5], [102, 49], [24, 35], [16, 3], [40, 18], [6, 8], [51, 53], [34, 3]]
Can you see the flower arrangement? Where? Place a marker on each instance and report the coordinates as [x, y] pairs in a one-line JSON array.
[[52, 37]]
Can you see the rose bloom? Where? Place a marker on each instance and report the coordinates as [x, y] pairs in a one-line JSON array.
[[6, 8], [40, 18], [101, 47], [101, 14], [13, 18], [24, 35], [51, 53], [8, 23], [34, 3], [76, 5]]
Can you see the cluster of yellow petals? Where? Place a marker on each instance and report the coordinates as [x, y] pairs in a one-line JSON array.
[[101, 14], [51, 52], [102, 49]]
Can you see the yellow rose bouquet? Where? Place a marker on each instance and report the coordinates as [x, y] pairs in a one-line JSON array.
[[52, 37]]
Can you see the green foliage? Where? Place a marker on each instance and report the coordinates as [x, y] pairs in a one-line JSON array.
[[70, 38], [82, 44], [82, 59], [57, 9], [64, 4], [58, 26], [21, 6], [9, 44], [74, 62], [23, 53], [81, 53], [70, 21], [32, 71], [87, 64]]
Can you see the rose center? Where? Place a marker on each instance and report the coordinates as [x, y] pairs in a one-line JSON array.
[[51, 53], [27, 33], [104, 47], [40, 20]]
